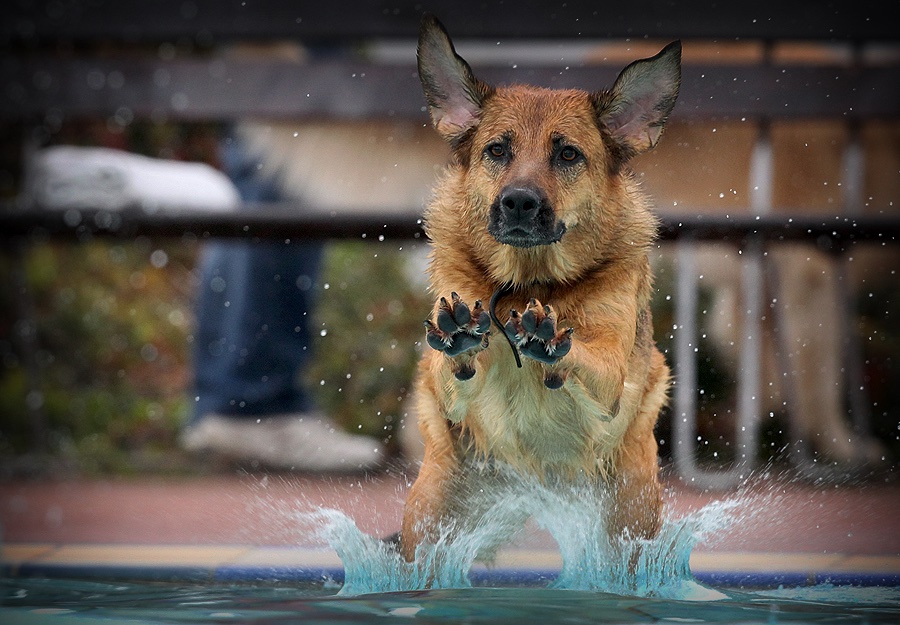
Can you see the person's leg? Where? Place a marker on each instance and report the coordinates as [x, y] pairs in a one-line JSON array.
[[251, 344], [252, 336]]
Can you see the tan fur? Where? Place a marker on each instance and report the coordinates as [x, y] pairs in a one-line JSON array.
[[599, 424]]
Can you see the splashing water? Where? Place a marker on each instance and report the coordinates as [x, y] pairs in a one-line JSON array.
[[592, 559], [658, 567], [371, 565]]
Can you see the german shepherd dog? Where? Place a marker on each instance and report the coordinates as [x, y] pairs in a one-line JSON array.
[[539, 215]]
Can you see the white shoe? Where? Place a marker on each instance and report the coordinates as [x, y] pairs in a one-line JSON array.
[[302, 442]]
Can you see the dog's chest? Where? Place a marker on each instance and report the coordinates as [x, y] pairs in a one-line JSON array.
[[512, 416]]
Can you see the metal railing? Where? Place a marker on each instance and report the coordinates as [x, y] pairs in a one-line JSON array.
[[753, 233], [295, 220]]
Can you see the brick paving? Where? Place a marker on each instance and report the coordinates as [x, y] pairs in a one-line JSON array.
[[258, 509]]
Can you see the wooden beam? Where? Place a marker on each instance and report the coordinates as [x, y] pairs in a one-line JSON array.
[[221, 89]]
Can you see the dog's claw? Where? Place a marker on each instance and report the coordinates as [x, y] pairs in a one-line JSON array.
[[435, 337], [482, 319], [445, 320], [461, 312], [458, 329]]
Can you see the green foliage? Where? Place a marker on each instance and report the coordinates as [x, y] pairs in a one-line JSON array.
[[113, 334], [111, 351], [367, 329]]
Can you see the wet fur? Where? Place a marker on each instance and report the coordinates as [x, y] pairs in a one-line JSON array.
[[599, 425]]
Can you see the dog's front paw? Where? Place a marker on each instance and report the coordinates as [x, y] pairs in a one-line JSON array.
[[458, 330], [535, 334]]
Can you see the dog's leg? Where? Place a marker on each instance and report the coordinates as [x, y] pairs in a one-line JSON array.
[[637, 509], [426, 504], [427, 501]]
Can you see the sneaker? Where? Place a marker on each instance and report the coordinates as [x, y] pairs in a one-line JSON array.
[[301, 442]]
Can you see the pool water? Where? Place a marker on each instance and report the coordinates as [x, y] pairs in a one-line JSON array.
[[602, 579], [40, 601]]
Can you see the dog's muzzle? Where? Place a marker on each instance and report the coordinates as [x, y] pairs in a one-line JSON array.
[[522, 217]]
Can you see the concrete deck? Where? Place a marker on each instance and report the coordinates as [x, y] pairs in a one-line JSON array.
[[243, 527]]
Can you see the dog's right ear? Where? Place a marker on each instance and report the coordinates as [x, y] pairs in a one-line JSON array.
[[453, 94], [635, 110]]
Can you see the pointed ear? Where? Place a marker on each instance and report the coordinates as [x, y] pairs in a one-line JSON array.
[[453, 94], [635, 109]]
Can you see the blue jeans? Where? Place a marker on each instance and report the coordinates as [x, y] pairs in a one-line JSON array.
[[253, 313]]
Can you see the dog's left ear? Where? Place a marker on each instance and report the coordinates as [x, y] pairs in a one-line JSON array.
[[634, 111], [454, 95]]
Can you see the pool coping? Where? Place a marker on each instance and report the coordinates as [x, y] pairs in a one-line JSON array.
[[251, 563]]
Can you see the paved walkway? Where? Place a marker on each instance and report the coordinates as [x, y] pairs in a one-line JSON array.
[[233, 526]]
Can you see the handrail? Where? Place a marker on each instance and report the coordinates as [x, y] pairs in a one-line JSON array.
[[292, 220]]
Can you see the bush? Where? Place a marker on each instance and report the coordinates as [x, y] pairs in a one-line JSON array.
[[113, 327], [367, 328], [110, 333]]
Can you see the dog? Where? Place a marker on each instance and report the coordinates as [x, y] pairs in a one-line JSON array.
[[538, 215]]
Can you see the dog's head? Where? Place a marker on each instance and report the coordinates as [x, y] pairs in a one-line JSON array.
[[538, 161]]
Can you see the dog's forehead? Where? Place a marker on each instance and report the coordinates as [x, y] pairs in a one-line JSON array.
[[544, 112]]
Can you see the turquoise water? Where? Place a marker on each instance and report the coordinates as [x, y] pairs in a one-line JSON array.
[[572, 514], [602, 580], [68, 602], [591, 561]]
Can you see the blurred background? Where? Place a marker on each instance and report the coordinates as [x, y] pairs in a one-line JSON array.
[[96, 331]]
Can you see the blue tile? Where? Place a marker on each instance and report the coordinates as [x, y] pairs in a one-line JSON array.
[[114, 571]]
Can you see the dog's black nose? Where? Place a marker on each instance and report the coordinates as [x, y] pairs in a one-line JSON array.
[[523, 216], [520, 204]]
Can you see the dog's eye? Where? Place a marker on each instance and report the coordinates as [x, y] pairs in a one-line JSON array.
[[569, 154], [496, 150]]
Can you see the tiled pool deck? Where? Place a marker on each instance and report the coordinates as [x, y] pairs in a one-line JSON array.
[[244, 528]]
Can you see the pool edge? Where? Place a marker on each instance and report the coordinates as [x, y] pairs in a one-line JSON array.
[[241, 563]]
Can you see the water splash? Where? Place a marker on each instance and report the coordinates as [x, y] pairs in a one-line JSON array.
[[372, 566], [592, 560], [658, 567]]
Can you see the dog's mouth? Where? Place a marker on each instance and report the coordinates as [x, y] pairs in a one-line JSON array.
[[522, 218], [520, 237]]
